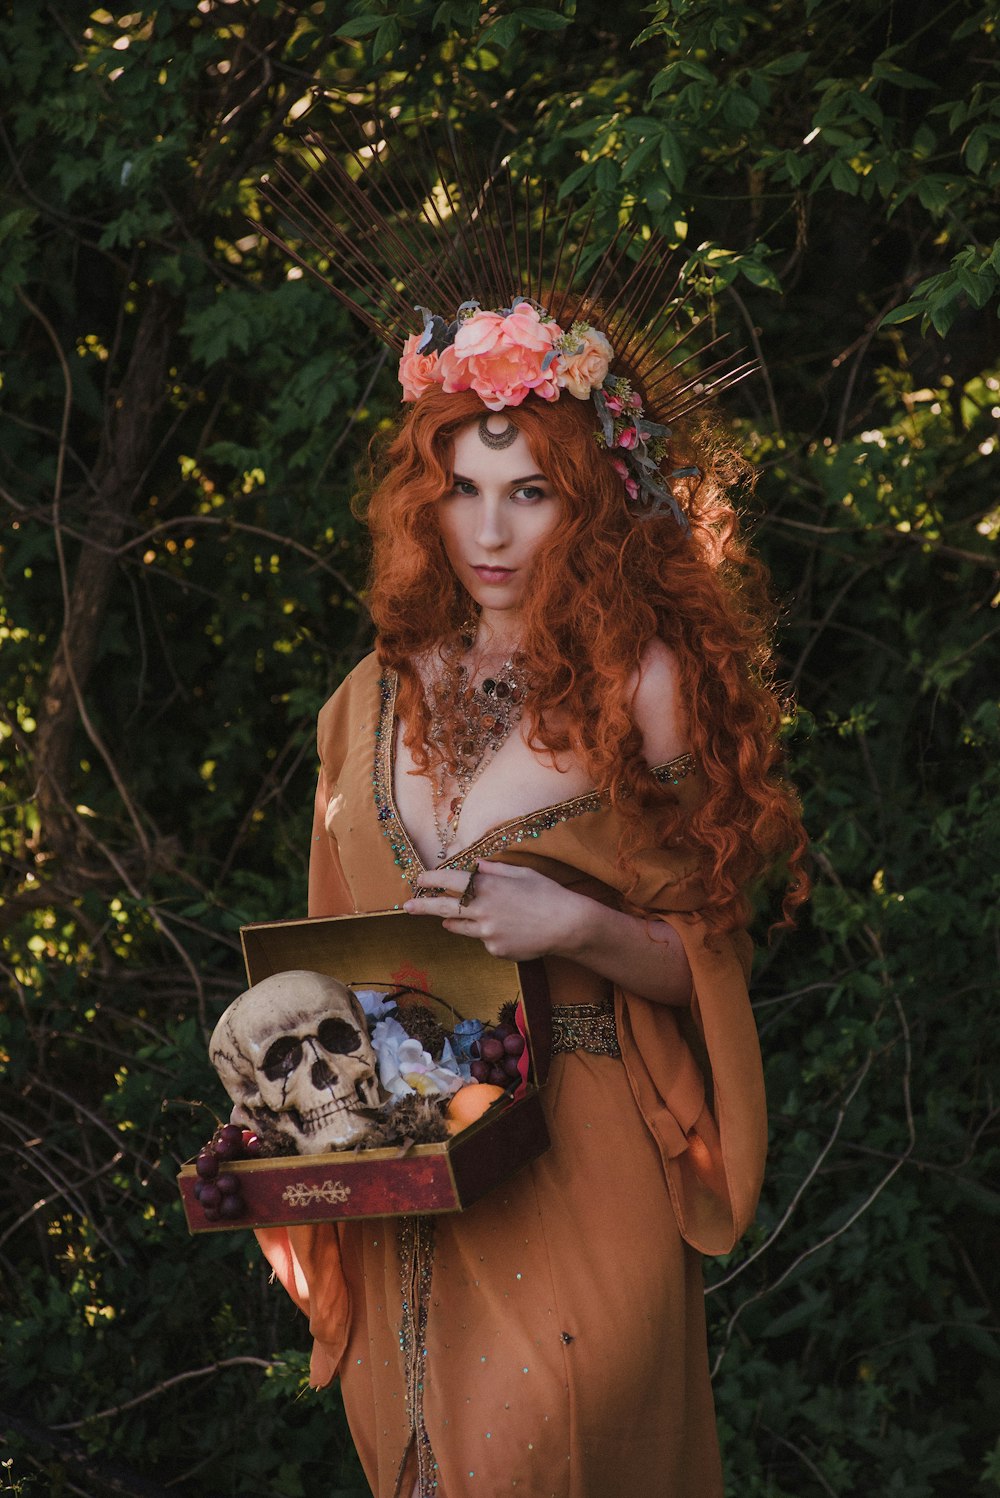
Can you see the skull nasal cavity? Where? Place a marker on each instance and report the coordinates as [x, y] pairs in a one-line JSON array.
[[322, 1076]]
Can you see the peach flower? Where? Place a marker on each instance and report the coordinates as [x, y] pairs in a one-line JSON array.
[[417, 372], [501, 358], [586, 368]]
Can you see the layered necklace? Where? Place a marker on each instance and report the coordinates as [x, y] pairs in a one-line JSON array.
[[469, 722]]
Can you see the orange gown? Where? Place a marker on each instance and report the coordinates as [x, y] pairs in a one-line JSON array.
[[550, 1341]]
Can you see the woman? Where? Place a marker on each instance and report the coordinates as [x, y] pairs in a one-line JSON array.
[[563, 746]]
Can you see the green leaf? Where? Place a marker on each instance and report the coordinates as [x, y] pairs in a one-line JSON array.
[[791, 62], [359, 26], [575, 178], [542, 20], [932, 190], [387, 38], [977, 147], [843, 178], [658, 28], [504, 32], [759, 275], [739, 109], [903, 313], [888, 72], [638, 156], [606, 175]]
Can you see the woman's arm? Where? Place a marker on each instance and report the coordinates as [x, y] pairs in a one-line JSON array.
[[518, 913]]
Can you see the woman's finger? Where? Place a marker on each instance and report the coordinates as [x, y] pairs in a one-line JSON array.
[[452, 880], [440, 905]]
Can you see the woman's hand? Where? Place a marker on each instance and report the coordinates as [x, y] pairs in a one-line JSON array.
[[519, 914], [515, 912]]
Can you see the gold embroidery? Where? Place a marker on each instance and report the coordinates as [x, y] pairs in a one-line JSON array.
[[416, 1265], [302, 1195], [585, 1027]]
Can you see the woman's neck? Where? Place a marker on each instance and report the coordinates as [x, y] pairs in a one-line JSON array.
[[498, 633]]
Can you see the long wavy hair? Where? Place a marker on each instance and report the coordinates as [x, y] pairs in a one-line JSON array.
[[603, 585]]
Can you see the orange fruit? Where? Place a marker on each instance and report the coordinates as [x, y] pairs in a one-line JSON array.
[[470, 1103]]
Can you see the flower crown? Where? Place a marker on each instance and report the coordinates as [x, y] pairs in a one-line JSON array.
[[508, 354]]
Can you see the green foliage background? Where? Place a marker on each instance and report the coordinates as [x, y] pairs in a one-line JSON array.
[[180, 425]]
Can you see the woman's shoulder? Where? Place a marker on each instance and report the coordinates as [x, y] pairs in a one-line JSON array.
[[657, 707], [353, 702]]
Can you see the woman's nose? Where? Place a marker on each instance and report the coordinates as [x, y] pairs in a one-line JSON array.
[[492, 529]]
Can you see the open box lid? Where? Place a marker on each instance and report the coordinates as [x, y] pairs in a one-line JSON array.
[[399, 950]]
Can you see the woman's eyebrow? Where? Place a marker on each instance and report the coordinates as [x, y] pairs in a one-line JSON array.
[[459, 478]]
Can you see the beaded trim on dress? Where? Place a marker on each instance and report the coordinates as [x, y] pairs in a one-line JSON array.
[[585, 1027], [507, 834]]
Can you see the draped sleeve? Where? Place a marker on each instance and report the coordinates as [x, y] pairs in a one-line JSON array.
[[695, 1072]]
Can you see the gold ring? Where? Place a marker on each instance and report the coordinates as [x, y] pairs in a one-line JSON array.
[[469, 892]]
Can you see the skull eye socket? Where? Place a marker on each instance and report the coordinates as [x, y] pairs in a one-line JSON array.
[[282, 1057], [338, 1037]]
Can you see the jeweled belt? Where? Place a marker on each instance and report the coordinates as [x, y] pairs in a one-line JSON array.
[[585, 1027]]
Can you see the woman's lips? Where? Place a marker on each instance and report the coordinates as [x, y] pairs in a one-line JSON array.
[[494, 574]]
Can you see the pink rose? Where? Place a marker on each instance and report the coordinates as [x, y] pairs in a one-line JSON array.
[[500, 358], [613, 404], [632, 489], [620, 467], [586, 369], [417, 372], [628, 439]]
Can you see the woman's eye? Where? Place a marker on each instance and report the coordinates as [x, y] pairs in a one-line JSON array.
[[462, 486], [528, 494]]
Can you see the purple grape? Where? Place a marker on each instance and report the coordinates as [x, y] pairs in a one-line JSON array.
[[228, 1183], [211, 1196], [480, 1071], [491, 1049], [510, 1066], [207, 1165], [231, 1206], [514, 1044], [498, 1076], [211, 1214], [231, 1133], [227, 1148], [502, 1031]]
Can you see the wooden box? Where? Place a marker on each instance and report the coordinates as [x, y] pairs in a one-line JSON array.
[[394, 948]]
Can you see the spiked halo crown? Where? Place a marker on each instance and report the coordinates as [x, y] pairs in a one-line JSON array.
[[407, 228]]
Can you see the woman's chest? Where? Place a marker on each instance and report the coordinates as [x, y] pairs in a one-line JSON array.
[[443, 816]]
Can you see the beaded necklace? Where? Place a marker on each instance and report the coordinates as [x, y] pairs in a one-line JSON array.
[[469, 724]]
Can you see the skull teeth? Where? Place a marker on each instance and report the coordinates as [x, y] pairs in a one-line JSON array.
[[317, 1117]]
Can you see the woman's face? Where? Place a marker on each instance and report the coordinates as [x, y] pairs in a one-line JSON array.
[[495, 516]]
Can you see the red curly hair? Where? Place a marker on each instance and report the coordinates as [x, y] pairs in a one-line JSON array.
[[603, 586]]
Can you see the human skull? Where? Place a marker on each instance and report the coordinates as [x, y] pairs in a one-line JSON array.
[[293, 1052]]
